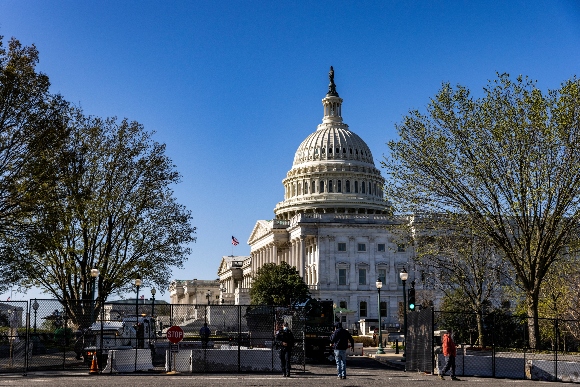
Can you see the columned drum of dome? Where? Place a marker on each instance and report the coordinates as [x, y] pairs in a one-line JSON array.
[[333, 170]]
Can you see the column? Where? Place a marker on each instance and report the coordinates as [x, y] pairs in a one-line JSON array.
[[302, 255]]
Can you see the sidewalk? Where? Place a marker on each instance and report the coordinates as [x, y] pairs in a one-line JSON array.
[[390, 358]]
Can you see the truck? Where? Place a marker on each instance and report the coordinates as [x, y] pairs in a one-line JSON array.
[[129, 333], [318, 327]]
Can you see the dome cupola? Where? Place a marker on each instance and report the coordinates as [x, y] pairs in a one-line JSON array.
[[333, 169]]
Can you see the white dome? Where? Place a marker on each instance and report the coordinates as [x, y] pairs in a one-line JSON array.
[[333, 170]]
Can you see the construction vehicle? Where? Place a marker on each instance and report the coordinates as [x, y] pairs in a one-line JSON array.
[[129, 333]]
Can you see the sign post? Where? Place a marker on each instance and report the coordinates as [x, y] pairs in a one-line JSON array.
[[174, 335]]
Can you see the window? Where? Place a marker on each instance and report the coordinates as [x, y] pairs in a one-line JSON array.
[[383, 275], [313, 187], [343, 319], [362, 312], [362, 276], [348, 186], [329, 185], [305, 188], [321, 187], [356, 187], [342, 277], [383, 309], [341, 246], [362, 247], [381, 247], [401, 247], [339, 183], [362, 186], [370, 193], [299, 188], [342, 305]]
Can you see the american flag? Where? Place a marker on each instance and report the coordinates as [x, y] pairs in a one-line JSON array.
[[142, 297], [235, 241]]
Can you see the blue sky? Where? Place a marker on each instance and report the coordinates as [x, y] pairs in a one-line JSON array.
[[233, 87]]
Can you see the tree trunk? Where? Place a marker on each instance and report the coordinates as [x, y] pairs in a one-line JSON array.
[[479, 319], [533, 322]]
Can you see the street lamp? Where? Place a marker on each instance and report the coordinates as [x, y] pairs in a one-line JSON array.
[[153, 291], [137, 285], [208, 295], [35, 307], [94, 275], [380, 350], [404, 275]]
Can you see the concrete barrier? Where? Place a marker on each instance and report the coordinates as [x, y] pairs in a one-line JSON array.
[[357, 350], [225, 359], [124, 360]]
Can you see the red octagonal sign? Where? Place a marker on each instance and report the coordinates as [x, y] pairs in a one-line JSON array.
[[175, 334]]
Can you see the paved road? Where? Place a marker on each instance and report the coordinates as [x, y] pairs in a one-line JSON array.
[[361, 371]]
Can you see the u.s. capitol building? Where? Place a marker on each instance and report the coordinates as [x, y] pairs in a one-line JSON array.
[[333, 225]]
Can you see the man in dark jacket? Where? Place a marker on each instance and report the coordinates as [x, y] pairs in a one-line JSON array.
[[285, 342], [340, 339]]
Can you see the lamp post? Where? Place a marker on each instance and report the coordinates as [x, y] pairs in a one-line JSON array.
[[35, 307], [94, 275], [137, 285], [153, 291], [207, 295], [404, 275], [380, 350]]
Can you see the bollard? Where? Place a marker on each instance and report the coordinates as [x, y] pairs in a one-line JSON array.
[[397, 346]]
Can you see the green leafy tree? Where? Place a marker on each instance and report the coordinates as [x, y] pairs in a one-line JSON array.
[[279, 285], [460, 262], [510, 161], [110, 207], [30, 127]]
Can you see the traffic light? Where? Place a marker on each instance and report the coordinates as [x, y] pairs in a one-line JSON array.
[[411, 299]]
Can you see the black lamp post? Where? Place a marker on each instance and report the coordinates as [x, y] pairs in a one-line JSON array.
[[137, 285], [380, 350], [153, 291], [404, 275], [94, 275], [35, 307]]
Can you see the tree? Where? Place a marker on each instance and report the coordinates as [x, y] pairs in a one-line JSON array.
[[460, 262], [110, 207], [510, 161], [279, 285], [30, 126]]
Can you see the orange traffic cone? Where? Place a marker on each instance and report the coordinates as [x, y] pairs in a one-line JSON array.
[[94, 367]]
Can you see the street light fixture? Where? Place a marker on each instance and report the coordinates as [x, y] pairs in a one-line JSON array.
[[94, 275], [35, 307], [137, 285], [404, 275], [380, 350], [153, 291]]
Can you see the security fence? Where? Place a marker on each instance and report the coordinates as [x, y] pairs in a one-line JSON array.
[[495, 345], [128, 337]]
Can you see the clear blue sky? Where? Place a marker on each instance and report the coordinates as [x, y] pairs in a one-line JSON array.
[[233, 87]]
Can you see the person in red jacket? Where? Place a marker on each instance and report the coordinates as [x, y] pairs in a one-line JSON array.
[[449, 351]]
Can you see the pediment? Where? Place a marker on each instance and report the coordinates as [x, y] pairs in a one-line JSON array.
[[262, 228]]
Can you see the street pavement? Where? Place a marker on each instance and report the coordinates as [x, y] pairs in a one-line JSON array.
[[364, 371]]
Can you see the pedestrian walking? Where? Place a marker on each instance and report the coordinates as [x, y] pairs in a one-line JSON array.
[[449, 351], [285, 342], [340, 339], [204, 333]]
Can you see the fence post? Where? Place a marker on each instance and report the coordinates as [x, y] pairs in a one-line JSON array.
[[556, 349], [493, 346]]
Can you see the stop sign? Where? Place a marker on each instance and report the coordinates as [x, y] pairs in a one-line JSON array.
[[175, 334]]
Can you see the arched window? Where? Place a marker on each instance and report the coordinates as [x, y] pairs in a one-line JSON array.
[[329, 185], [362, 186], [337, 150], [348, 186], [305, 188], [356, 187], [339, 186], [321, 186], [370, 192], [313, 187]]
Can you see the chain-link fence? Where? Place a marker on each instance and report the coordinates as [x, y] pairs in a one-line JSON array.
[[131, 336], [496, 345]]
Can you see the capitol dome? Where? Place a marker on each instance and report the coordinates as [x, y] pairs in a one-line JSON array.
[[333, 170]]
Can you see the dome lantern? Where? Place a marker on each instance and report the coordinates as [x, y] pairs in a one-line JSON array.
[[332, 102]]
